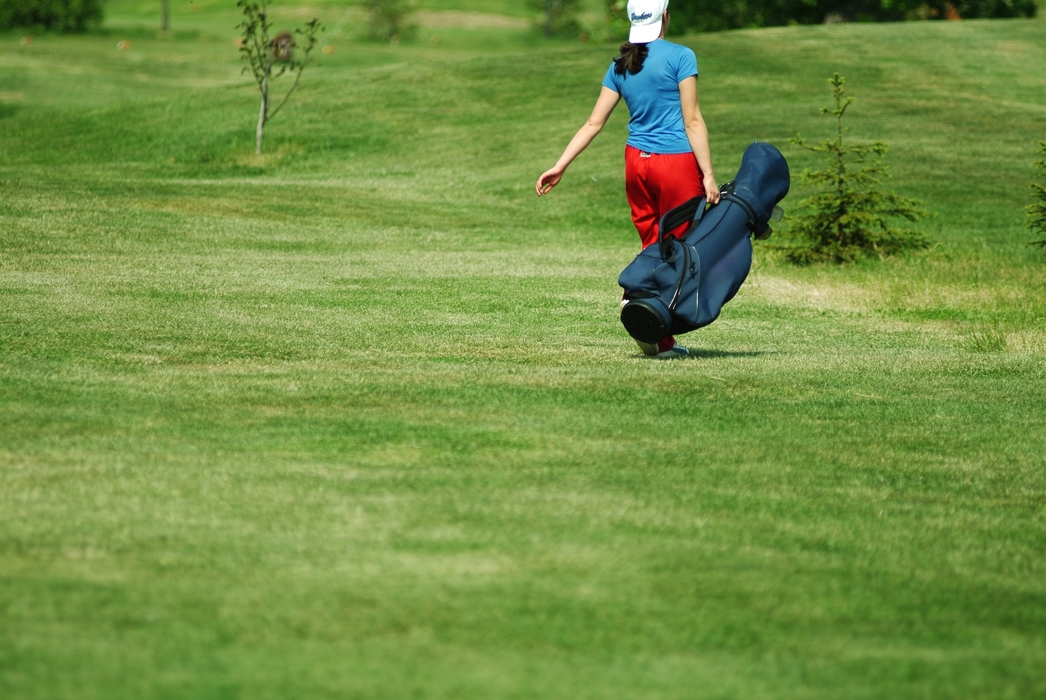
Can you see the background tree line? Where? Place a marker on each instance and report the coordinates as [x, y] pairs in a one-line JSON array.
[[717, 15], [560, 16], [58, 15]]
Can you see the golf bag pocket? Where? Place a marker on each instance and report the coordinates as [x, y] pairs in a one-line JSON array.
[[657, 284]]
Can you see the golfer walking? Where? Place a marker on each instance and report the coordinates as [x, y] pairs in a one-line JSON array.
[[667, 158]]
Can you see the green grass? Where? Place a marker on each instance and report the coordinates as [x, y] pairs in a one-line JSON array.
[[357, 418]]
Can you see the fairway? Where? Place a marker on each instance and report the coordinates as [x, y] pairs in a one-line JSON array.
[[356, 418]]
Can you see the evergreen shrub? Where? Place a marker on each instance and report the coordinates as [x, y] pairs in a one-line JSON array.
[[557, 16], [850, 218], [391, 20], [1037, 210], [616, 25]]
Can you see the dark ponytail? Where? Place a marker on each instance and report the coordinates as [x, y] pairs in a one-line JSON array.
[[631, 58]]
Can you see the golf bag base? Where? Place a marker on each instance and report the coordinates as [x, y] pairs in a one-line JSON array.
[[644, 321]]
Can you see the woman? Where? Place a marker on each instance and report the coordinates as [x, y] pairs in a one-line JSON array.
[[667, 158]]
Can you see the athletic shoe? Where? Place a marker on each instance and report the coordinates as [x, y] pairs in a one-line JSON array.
[[649, 349], [676, 351]]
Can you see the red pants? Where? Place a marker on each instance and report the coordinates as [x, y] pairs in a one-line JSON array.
[[655, 184]]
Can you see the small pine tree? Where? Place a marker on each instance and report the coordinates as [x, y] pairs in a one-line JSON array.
[[850, 218], [1037, 211], [269, 57]]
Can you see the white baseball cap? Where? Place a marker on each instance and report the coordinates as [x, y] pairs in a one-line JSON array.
[[645, 16]]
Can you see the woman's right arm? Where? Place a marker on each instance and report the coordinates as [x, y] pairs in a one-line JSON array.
[[608, 99], [697, 134]]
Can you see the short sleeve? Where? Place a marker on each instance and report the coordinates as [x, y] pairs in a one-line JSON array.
[[686, 65], [610, 80]]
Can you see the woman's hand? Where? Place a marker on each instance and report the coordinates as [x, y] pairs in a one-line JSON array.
[[549, 179], [711, 189]]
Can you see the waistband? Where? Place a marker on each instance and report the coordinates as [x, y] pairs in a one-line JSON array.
[[633, 151]]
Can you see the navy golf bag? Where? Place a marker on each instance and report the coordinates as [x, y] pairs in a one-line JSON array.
[[680, 284]]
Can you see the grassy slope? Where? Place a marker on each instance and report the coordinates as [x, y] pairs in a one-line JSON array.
[[357, 418]]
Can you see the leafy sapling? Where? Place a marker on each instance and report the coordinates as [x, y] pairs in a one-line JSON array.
[[850, 217], [270, 57], [1037, 210]]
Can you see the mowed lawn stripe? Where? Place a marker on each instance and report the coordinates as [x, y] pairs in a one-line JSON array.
[[357, 417]]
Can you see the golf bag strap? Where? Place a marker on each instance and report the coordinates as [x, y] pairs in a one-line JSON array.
[[691, 210], [727, 192], [688, 266]]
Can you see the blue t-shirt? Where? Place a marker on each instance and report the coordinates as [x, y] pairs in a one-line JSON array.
[[652, 96]]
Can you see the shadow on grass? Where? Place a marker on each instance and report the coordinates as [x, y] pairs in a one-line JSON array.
[[701, 354]]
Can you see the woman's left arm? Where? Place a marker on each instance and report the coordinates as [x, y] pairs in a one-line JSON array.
[[697, 133]]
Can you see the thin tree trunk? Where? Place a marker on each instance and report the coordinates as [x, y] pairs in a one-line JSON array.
[[261, 115], [166, 23]]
